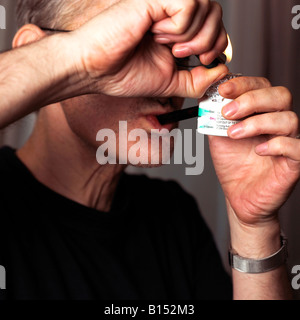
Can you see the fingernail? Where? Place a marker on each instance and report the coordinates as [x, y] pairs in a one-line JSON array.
[[157, 31], [262, 148], [183, 51], [162, 40], [237, 131], [230, 109]]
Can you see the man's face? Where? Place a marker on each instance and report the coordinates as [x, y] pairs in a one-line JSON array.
[[88, 114]]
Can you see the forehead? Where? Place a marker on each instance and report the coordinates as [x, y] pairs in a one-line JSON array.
[[91, 9]]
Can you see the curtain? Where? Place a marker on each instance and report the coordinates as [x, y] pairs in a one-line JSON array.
[[265, 44]]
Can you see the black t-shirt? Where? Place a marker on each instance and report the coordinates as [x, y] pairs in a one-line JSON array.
[[152, 245]]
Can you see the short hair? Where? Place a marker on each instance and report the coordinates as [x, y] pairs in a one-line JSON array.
[[48, 13]]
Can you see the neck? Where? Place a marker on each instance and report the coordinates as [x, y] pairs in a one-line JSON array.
[[64, 163]]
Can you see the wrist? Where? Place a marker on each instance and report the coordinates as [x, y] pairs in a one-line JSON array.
[[255, 241], [58, 76], [70, 73]]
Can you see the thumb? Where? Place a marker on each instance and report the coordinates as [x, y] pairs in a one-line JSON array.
[[194, 83]]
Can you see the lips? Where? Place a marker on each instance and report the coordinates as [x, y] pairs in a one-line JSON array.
[[161, 106], [155, 124]]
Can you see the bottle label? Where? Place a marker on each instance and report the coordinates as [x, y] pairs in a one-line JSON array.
[[211, 121]]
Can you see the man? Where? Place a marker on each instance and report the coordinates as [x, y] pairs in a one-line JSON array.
[[75, 229]]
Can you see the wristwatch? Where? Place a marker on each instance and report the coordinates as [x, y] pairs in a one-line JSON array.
[[272, 262]]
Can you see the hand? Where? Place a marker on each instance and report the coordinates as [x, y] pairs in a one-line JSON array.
[[259, 164], [123, 58]]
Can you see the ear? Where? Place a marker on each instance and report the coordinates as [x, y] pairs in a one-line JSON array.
[[27, 34]]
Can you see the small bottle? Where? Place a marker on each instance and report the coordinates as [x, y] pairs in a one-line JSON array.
[[210, 120]]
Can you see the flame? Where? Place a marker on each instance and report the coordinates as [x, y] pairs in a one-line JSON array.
[[229, 50]]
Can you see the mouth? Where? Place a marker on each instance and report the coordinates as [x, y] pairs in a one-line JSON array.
[[158, 107], [157, 125], [153, 118]]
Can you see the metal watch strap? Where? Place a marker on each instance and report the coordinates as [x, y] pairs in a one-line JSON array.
[[272, 262]]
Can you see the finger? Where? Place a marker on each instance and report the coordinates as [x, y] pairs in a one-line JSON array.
[[219, 46], [238, 86], [192, 30], [278, 123], [194, 83], [206, 37], [280, 146], [259, 101], [180, 16]]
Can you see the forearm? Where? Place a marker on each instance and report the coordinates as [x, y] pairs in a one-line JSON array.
[[37, 75], [257, 243]]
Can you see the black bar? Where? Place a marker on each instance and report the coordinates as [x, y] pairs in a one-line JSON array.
[[187, 63], [179, 115], [220, 60]]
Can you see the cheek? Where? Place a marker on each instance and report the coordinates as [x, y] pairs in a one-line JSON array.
[[87, 115]]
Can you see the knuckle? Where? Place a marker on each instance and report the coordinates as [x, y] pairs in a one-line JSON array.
[[253, 125], [187, 11], [205, 3], [180, 29], [205, 6], [249, 99], [216, 6], [222, 43], [293, 120], [284, 96], [244, 83], [278, 145], [266, 82], [206, 44], [191, 5]]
